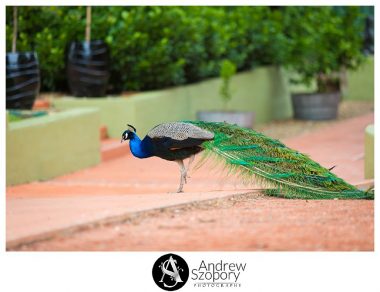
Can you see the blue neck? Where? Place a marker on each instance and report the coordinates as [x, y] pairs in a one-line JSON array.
[[139, 148]]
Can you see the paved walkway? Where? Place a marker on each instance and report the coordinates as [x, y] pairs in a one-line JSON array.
[[115, 190]]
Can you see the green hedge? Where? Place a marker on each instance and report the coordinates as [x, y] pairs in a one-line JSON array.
[[156, 47]]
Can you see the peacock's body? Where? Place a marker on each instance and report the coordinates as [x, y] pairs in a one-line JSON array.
[[248, 153]]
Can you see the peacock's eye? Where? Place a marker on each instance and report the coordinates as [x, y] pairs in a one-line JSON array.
[[125, 135]]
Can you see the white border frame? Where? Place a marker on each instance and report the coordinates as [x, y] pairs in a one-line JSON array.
[[131, 271]]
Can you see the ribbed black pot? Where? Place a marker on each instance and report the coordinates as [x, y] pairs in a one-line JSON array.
[[87, 68], [316, 106], [23, 79]]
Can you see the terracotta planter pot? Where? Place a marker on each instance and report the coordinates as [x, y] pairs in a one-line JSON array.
[[23, 79], [243, 119], [316, 106]]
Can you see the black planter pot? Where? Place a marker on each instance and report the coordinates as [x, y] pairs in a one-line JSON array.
[[316, 106], [23, 79], [87, 68]]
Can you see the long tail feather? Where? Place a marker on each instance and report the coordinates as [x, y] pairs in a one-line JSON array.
[[290, 174]]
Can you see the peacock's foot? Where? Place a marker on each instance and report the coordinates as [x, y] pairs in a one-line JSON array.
[[179, 190], [175, 192]]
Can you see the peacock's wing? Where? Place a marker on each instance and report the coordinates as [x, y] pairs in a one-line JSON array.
[[177, 140], [180, 131], [293, 174]]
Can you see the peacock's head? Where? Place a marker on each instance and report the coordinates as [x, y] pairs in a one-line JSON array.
[[128, 133]]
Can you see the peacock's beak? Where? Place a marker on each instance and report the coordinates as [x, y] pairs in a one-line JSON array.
[[121, 140]]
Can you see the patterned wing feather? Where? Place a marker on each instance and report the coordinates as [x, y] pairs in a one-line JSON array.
[[180, 131]]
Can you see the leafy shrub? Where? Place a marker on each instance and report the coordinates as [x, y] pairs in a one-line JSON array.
[[328, 40], [227, 70], [156, 47]]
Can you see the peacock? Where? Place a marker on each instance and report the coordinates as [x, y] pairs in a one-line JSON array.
[[247, 153]]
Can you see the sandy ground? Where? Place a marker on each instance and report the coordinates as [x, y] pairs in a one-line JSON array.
[[248, 222]]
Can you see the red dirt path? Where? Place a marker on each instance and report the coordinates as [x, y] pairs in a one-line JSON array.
[[248, 223]]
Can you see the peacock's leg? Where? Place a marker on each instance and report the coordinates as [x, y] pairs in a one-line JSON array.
[[183, 175], [191, 159]]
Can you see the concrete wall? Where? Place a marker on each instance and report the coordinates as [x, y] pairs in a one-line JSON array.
[[45, 147], [264, 91], [369, 149], [114, 112], [361, 83]]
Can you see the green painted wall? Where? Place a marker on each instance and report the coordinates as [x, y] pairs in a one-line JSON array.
[[156, 107], [361, 83], [369, 155], [44, 147], [116, 112], [263, 90], [300, 87]]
